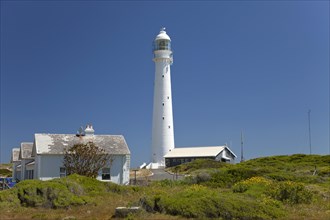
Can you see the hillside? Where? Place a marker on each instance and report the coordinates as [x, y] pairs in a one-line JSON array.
[[278, 187], [5, 170]]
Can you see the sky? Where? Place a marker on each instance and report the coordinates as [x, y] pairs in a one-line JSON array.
[[251, 66]]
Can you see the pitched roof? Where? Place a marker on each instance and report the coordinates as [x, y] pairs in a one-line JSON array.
[[26, 150], [15, 155], [209, 151], [58, 143]]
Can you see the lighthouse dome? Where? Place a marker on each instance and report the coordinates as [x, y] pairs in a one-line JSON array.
[[162, 35]]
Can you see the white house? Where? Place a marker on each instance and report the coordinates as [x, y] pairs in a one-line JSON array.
[[43, 159], [27, 160], [182, 155], [16, 164]]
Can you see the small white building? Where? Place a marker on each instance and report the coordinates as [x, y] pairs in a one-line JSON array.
[[45, 159], [182, 155], [27, 160], [16, 164]]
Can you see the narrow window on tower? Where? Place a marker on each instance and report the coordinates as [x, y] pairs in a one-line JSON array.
[[163, 76], [163, 104], [168, 97], [169, 126], [163, 118]]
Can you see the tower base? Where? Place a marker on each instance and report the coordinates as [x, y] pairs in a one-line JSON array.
[[155, 166]]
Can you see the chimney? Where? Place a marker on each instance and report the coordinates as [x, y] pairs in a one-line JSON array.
[[89, 131]]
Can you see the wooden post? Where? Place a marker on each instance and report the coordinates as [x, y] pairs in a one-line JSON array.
[[135, 170]]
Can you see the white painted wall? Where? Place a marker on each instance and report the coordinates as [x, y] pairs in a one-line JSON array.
[[162, 122], [225, 153], [48, 167], [16, 173]]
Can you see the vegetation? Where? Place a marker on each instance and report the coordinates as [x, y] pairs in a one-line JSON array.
[[85, 159], [5, 170], [279, 187], [5, 173]]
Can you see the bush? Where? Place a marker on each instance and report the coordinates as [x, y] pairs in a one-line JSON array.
[[198, 165], [52, 194], [198, 201], [291, 193], [244, 185], [9, 198], [88, 184], [240, 187]]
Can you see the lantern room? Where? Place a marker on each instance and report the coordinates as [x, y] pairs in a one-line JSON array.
[[162, 41]]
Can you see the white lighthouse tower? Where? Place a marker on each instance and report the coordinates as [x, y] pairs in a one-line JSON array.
[[162, 121]]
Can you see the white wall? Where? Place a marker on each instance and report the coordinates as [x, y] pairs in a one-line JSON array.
[[162, 120], [225, 153], [16, 174], [119, 170], [48, 167]]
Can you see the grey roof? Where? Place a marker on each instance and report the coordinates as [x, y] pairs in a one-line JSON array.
[[58, 143], [15, 155], [26, 150]]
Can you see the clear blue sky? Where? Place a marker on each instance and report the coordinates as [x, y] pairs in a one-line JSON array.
[[238, 65]]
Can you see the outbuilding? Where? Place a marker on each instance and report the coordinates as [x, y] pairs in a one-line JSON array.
[[27, 160], [182, 155], [16, 164], [49, 150], [43, 159]]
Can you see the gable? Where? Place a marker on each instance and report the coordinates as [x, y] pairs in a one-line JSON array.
[[26, 150], [15, 155]]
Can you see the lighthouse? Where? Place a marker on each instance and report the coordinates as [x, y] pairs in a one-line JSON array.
[[162, 121]]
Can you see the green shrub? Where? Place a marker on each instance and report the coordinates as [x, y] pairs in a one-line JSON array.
[[260, 183], [290, 192], [8, 198], [199, 164], [198, 201], [240, 187], [52, 194], [90, 185]]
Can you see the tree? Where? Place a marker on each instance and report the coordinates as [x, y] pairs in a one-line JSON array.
[[86, 159]]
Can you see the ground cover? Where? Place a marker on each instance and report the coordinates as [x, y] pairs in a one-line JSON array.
[[278, 187]]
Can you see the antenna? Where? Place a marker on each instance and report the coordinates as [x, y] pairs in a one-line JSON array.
[[309, 131], [242, 157]]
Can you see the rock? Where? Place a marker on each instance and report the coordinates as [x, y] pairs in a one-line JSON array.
[[122, 212]]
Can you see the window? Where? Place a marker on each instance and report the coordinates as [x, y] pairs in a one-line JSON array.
[[169, 126], [168, 97], [62, 172], [106, 173], [163, 104], [163, 76], [163, 118]]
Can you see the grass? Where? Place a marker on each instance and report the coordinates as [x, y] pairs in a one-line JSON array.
[[278, 187]]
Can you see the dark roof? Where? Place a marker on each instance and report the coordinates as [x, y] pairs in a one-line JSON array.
[[58, 143], [26, 150]]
